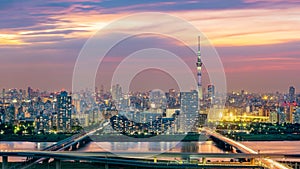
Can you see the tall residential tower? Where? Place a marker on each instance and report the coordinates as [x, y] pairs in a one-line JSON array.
[[64, 111], [199, 75]]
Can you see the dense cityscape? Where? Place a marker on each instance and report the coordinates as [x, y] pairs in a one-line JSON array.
[[73, 120], [27, 112]]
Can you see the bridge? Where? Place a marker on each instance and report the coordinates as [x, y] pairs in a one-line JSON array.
[[74, 142], [145, 159], [231, 144], [139, 159]]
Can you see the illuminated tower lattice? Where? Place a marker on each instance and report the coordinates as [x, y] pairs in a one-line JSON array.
[[199, 75]]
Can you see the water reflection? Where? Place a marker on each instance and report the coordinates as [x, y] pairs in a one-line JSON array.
[[277, 147], [284, 147], [196, 147], [22, 146], [14, 145], [190, 147]]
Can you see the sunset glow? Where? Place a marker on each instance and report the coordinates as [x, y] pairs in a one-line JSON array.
[[247, 34]]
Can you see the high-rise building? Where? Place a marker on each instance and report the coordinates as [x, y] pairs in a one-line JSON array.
[[2, 115], [281, 115], [199, 73], [211, 92], [172, 99], [188, 111], [10, 114], [29, 92], [273, 117], [291, 94], [3, 96], [64, 111], [298, 99], [290, 111], [116, 92]]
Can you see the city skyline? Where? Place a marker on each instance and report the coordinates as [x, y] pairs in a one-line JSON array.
[[257, 40], [150, 84], [206, 90]]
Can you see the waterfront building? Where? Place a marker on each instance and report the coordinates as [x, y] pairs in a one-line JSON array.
[[188, 110], [64, 111], [273, 117], [42, 123], [281, 115], [296, 116], [10, 114]]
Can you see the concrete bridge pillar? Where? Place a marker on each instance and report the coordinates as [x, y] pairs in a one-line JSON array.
[[252, 161], [57, 163], [73, 147], [4, 162], [203, 160], [106, 166]]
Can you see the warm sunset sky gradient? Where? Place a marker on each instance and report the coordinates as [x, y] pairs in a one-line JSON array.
[[257, 40]]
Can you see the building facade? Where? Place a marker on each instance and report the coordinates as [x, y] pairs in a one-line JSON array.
[[64, 112], [188, 111]]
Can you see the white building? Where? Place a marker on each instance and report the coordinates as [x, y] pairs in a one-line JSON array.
[[188, 111]]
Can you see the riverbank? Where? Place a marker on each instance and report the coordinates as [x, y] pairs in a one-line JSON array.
[[265, 137], [34, 138]]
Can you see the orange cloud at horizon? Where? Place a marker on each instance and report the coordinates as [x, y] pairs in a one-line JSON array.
[[10, 39], [235, 27]]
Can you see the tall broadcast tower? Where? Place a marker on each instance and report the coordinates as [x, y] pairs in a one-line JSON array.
[[199, 75]]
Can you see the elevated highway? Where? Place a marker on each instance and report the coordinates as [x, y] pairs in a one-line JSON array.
[[145, 159], [266, 162], [73, 141], [149, 159]]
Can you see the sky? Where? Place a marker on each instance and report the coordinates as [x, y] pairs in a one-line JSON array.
[[258, 41]]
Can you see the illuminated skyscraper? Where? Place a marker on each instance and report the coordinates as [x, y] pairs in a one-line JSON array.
[[199, 74], [64, 111], [211, 92], [188, 110]]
